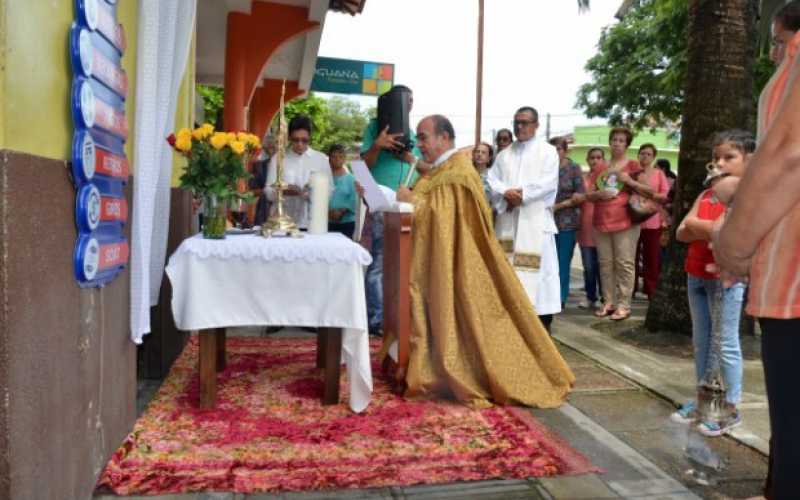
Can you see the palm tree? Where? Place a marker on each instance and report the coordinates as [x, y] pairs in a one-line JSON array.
[[718, 96]]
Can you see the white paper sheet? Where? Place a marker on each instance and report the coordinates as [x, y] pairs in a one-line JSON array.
[[379, 198]]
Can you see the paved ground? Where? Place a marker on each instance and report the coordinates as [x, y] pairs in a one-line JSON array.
[[662, 363], [618, 417]]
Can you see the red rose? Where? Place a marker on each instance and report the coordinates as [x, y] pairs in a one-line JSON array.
[[171, 140]]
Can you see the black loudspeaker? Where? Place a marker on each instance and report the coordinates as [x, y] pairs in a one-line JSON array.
[[393, 109]]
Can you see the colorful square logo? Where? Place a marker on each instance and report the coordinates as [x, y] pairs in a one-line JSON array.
[[384, 86], [378, 78], [370, 71], [386, 72], [369, 86]]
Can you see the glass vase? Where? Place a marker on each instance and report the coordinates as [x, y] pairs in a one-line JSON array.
[[215, 216]]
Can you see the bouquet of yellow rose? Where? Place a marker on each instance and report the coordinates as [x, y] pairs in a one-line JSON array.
[[215, 169]]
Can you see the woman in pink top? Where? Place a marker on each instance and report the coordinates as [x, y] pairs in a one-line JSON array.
[[595, 157], [615, 234], [649, 247]]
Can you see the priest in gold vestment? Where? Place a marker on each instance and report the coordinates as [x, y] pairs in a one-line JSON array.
[[475, 335]]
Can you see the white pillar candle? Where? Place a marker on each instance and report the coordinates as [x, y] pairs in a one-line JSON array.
[[320, 186]]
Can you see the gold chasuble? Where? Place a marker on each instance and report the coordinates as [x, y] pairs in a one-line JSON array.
[[475, 335]]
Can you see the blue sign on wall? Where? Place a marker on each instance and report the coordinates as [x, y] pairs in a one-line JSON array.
[[99, 165], [346, 76]]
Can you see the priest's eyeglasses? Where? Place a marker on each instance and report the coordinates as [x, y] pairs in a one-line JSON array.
[[300, 140]]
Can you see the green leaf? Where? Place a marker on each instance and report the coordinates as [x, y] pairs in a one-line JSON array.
[[337, 120]]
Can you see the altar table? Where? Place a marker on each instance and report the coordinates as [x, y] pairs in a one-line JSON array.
[[247, 280]]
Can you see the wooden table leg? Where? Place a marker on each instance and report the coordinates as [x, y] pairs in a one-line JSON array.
[[332, 342], [321, 337], [207, 361], [396, 288], [221, 352]]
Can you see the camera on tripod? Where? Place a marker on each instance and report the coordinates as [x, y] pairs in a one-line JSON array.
[[393, 110]]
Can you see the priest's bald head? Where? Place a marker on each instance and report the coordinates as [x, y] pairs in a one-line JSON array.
[[435, 136]]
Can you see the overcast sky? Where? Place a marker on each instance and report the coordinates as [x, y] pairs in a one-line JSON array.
[[534, 54]]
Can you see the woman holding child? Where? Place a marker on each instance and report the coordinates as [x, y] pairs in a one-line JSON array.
[[616, 235]]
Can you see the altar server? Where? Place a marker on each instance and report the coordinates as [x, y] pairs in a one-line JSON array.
[[524, 182], [298, 164]]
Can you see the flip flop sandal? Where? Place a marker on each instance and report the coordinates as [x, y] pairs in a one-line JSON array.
[[621, 314], [604, 311]]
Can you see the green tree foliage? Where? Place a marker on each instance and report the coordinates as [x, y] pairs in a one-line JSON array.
[[639, 70], [336, 120], [213, 101], [346, 121], [315, 108]]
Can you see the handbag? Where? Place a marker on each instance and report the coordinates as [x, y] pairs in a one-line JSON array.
[[640, 208]]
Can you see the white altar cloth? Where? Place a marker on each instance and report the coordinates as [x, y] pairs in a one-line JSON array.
[[248, 280]]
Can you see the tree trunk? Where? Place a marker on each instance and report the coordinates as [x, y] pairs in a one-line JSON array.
[[718, 96]]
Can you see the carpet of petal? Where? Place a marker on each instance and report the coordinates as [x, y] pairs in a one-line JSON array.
[[270, 433]]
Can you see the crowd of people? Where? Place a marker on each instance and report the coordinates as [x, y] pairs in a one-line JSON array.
[[617, 211], [513, 212], [592, 209]]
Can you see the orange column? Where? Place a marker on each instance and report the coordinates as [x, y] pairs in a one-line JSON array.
[[266, 102], [233, 117], [251, 41]]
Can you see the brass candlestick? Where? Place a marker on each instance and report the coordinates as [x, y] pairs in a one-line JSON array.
[[280, 224]]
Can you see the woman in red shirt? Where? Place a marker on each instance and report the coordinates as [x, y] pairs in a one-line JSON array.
[[616, 235], [649, 246]]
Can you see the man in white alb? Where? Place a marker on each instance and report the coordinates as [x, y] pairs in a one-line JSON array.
[[524, 181], [298, 164]]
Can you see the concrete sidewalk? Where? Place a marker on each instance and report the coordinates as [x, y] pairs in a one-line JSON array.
[[668, 375]]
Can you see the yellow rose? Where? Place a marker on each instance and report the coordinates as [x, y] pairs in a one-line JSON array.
[[237, 147], [241, 136], [219, 140], [254, 141], [183, 143], [184, 133], [203, 132]]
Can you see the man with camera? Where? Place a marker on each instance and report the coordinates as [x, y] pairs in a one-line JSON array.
[[391, 158]]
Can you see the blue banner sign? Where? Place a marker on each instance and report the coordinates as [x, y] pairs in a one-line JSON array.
[[346, 76], [99, 166]]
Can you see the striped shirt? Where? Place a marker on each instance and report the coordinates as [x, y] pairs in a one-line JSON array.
[[775, 269]]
